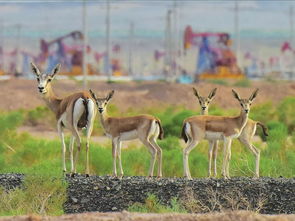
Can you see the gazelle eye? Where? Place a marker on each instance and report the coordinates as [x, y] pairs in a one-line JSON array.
[[49, 79], [241, 105], [38, 79]]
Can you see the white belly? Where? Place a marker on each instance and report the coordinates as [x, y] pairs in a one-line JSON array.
[[130, 135], [209, 135]]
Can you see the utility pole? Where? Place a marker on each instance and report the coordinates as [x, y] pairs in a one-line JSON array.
[[85, 41], [18, 44], [237, 32], [291, 24], [108, 51], [2, 45], [131, 42], [175, 43], [168, 45]]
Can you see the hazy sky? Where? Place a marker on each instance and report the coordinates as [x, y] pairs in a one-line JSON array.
[[51, 18]]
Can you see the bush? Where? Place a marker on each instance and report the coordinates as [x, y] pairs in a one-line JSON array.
[[153, 205], [286, 112]]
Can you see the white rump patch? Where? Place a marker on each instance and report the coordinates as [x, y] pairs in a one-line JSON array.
[[188, 130], [78, 110]]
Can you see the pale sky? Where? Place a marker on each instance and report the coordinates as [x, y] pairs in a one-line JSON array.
[[52, 18]]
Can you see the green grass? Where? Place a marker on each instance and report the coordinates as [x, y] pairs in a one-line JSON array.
[[42, 157], [153, 205], [42, 195]]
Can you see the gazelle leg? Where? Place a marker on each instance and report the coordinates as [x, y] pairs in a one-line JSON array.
[[227, 143], [119, 147], [211, 146], [254, 151], [63, 145], [215, 152], [153, 152], [88, 134], [159, 155], [90, 120], [114, 153], [186, 152], [72, 141], [228, 160], [78, 140]]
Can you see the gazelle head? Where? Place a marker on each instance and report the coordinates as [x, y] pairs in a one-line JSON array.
[[245, 103], [102, 103], [44, 79], [205, 101]]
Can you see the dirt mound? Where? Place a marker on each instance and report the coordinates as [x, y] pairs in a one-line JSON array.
[[23, 94]]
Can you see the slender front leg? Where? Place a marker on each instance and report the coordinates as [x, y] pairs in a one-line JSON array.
[[211, 146], [72, 141], [119, 146], [114, 153], [63, 145], [226, 145], [159, 155], [186, 151], [255, 151], [215, 152]]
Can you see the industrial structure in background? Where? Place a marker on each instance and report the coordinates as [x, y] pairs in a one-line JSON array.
[[216, 56]]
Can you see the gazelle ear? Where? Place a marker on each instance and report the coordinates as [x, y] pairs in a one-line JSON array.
[[236, 95], [110, 95], [92, 94], [55, 70], [212, 93], [253, 95], [196, 92], [35, 69]]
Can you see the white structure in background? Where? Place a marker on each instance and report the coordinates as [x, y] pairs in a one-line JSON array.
[[287, 62]]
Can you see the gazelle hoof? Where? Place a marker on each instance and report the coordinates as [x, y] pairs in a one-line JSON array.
[[73, 174], [188, 177], [87, 175]]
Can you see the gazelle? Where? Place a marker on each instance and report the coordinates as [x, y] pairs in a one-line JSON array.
[[213, 144], [72, 112], [245, 138], [208, 127], [146, 128]]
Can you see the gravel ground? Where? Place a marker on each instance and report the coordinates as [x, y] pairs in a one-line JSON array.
[[108, 194]]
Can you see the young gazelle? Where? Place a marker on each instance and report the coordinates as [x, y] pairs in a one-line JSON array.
[[213, 144], [146, 128], [208, 127], [246, 135], [72, 112]]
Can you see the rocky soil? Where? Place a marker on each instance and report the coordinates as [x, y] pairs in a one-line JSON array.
[[108, 194]]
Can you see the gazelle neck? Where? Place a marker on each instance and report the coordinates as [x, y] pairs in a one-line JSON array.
[[51, 99], [204, 112], [243, 117], [103, 117]]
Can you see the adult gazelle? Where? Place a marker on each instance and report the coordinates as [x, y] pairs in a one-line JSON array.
[[209, 127], [146, 128], [72, 112]]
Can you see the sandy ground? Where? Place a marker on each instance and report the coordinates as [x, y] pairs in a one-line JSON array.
[[22, 94], [124, 216]]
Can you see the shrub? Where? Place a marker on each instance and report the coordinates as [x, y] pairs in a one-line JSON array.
[[286, 112], [153, 205]]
